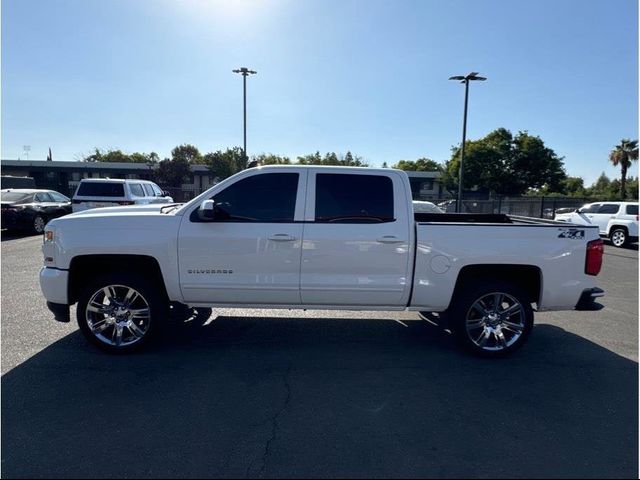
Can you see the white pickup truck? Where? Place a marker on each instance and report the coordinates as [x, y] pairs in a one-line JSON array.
[[301, 237]]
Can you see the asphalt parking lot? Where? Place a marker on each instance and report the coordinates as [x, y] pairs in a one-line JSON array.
[[266, 393]]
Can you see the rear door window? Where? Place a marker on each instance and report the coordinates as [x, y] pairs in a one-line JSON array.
[[267, 197], [632, 209], [43, 197], [97, 189], [348, 198], [58, 197], [136, 190]]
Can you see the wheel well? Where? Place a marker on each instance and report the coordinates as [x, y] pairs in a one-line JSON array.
[[526, 277], [86, 267], [622, 227]]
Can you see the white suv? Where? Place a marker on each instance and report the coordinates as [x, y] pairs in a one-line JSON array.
[[108, 192], [616, 220]]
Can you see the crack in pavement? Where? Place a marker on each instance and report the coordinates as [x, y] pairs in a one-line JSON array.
[[274, 424]]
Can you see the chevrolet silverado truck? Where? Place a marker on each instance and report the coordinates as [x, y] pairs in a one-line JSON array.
[[300, 237]]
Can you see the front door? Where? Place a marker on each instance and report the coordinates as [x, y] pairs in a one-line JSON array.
[[605, 213], [250, 252]]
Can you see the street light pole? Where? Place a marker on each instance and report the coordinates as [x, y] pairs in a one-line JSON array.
[[245, 72], [464, 79]]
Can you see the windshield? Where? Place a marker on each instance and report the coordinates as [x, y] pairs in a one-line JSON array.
[[15, 197]]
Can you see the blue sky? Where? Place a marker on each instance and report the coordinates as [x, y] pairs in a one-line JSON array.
[[368, 76]]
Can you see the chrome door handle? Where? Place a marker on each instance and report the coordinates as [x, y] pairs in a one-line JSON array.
[[281, 237], [389, 239]]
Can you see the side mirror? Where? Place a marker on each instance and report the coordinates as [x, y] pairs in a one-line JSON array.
[[165, 193], [207, 210], [579, 210]]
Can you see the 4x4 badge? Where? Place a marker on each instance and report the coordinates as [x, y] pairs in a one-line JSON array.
[[572, 233]]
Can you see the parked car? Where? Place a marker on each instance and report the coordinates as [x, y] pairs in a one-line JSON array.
[[616, 220], [315, 238], [448, 206], [109, 192], [30, 209], [420, 206]]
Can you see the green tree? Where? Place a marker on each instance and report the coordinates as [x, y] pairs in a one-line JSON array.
[[574, 187], [331, 158], [270, 159], [601, 187], [420, 165], [121, 157], [172, 172], [506, 164], [632, 187], [188, 153], [223, 164], [624, 154]]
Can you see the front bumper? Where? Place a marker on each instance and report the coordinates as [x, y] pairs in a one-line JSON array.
[[588, 299], [54, 284]]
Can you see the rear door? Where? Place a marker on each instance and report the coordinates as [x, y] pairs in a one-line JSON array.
[[138, 195], [250, 252], [45, 204], [356, 239]]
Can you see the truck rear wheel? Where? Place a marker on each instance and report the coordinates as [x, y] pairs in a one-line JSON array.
[[492, 319], [120, 312]]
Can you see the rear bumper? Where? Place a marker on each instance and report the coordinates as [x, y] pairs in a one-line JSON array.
[[588, 299]]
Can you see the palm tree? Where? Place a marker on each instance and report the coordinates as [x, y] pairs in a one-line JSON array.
[[623, 155]]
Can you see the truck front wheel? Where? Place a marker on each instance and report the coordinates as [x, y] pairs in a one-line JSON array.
[[120, 312], [492, 319]]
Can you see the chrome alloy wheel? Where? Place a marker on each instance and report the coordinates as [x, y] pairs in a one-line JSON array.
[[618, 238], [495, 321], [118, 315]]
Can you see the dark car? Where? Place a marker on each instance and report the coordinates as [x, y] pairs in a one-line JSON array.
[[30, 209]]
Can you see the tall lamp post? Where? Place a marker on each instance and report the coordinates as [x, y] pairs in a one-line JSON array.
[[245, 72], [464, 79]]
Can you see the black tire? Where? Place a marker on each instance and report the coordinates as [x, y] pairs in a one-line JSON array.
[[38, 224], [491, 334], [619, 237], [148, 308]]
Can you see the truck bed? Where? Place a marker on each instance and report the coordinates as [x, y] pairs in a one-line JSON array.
[[485, 218]]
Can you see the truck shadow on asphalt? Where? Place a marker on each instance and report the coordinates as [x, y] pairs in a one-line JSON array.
[[301, 397]]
